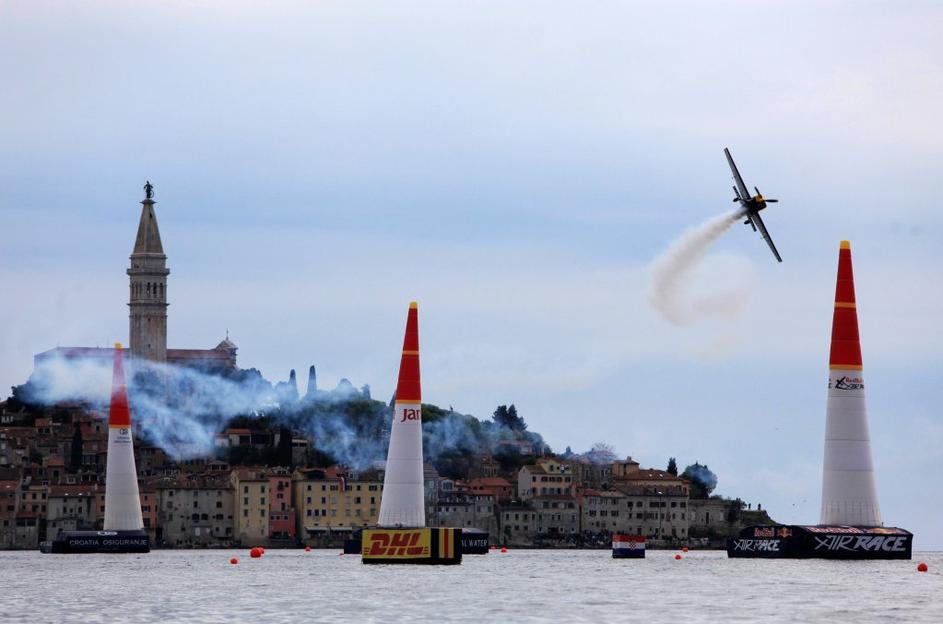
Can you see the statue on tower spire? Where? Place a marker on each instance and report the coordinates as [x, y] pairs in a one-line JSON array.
[[148, 190]]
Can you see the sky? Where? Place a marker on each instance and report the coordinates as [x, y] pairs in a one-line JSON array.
[[516, 168]]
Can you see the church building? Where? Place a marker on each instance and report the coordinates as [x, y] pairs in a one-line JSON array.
[[148, 309]]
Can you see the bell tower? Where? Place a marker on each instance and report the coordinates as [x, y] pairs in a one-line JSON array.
[[148, 277]]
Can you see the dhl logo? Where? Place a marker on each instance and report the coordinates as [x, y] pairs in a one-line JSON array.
[[399, 544]]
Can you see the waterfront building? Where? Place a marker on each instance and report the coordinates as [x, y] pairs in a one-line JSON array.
[[71, 508], [517, 524], [9, 503], [331, 501], [465, 509], [250, 506], [281, 512], [608, 511], [194, 512], [558, 516]]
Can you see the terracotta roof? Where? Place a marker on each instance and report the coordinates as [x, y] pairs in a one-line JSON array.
[[650, 474], [604, 494], [196, 354], [108, 353], [489, 482], [74, 491]]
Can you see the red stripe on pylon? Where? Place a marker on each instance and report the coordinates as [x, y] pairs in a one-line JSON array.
[[846, 342], [119, 415], [408, 388]]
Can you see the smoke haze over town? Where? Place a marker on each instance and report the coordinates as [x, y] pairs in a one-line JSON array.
[[317, 167]]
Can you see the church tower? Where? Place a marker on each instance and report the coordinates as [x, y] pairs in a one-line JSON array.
[[148, 276]]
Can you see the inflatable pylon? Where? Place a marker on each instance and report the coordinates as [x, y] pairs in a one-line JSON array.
[[849, 495], [402, 535], [122, 500], [123, 530], [403, 502]]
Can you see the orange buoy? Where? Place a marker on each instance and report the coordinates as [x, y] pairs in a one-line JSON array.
[[234, 561], [503, 549], [307, 549], [677, 557], [685, 549], [255, 553], [922, 567]]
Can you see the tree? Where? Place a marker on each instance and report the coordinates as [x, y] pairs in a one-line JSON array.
[[283, 454], [500, 416], [672, 466], [517, 423], [507, 417], [703, 480]]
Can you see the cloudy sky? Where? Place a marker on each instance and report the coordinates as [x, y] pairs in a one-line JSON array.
[[516, 167]]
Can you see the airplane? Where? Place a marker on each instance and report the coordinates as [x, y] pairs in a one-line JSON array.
[[751, 205]]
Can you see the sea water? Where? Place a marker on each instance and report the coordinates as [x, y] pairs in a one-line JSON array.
[[519, 586]]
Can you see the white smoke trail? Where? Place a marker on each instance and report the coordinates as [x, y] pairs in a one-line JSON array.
[[673, 270], [182, 410]]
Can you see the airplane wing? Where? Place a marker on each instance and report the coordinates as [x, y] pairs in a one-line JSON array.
[[758, 222], [744, 193]]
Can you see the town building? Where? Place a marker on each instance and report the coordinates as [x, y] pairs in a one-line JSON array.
[[281, 511], [9, 503], [498, 487], [548, 477], [195, 512], [558, 516], [331, 502], [70, 508], [517, 524], [251, 491]]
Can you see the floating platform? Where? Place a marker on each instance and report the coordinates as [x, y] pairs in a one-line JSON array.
[[84, 542], [821, 542], [430, 546], [628, 546], [352, 545], [474, 542]]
